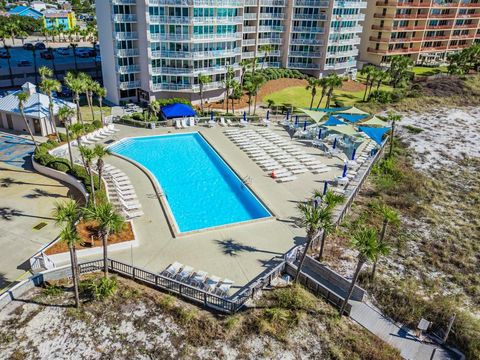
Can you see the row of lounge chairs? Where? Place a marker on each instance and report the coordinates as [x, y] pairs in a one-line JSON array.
[[122, 193], [200, 279], [97, 135], [276, 155], [184, 123]]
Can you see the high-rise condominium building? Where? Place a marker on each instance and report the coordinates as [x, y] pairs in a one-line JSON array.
[[157, 48], [425, 30]]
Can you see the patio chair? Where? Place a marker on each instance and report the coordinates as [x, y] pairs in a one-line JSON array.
[[184, 123], [132, 214], [211, 123], [224, 287], [243, 123], [178, 124], [112, 128], [211, 283], [222, 122], [172, 270], [184, 274], [229, 122], [198, 278]]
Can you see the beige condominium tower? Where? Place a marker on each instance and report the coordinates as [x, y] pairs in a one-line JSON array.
[[155, 49], [425, 30]]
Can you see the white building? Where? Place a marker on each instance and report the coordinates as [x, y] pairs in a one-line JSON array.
[[36, 112], [157, 48]]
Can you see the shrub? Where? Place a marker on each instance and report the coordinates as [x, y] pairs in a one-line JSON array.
[[137, 116], [100, 289], [63, 137], [97, 124], [59, 164], [381, 96]]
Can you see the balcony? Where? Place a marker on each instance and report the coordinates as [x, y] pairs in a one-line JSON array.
[[250, 16], [310, 16], [352, 41], [160, 19], [299, 65], [341, 65], [208, 20], [128, 69], [129, 85], [350, 4], [229, 3], [267, 28], [172, 37], [316, 30], [210, 86], [345, 30], [130, 35], [216, 36], [272, 15], [248, 42], [124, 18], [249, 29], [337, 54], [170, 71], [306, 42], [273, 2], [171, 87], [270, 41], [127, 52], [305, 54], [124, 2], [313, 3]]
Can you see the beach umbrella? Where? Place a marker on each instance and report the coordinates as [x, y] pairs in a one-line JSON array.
[[305, 125], [211, 115], [296, 120], [325, 186], [335, 143], [288, 114], [320, 133], [353, 153], [268, 114], [344, 170], [245, 116]]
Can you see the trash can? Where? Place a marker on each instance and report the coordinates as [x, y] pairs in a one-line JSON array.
[[152, 125]]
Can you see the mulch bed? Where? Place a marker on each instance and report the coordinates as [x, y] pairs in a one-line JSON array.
[[87, 231]]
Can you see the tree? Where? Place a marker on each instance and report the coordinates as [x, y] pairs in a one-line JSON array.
[[10, 73], [89, 86], [22, 98], [368, 72], [312, 86], [393, 118], [390, 216], [108, 222], [245, 64], [334, 81], [101, 92], [236, 93], [229, 77], [257, 80], [89, 155], [48, 86], [202, 81], [77, 130], [323, 83], [45, 72], [399, 67], [100, 152], [77, 86], [67, 214], [312, 218], [266, 49], [380, 77], [251, 90], [365, 241], [66, 114]]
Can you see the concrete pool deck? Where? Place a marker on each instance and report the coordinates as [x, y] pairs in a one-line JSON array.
[[238, 252]]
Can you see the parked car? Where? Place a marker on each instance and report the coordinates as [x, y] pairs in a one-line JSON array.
[[40, 46], [4, 54], [24, 63], [63, 51], [47, 55], [28, 46]]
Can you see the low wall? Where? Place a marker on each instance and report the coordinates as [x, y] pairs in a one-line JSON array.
[[334, 278]]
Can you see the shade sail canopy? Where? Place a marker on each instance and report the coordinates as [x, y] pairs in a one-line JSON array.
[[354, 110], [332, 110], [314, 115], [177, 111], [344, 129], [333, 121], [375, 121], [376, 134], [353, 118]]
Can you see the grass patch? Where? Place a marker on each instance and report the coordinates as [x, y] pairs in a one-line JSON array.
[[87, 114], [412, 129], [428, 71]]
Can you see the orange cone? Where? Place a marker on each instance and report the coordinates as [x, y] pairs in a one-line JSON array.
[[273, 174]]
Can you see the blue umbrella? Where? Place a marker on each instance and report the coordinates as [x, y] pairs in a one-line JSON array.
[[268, 114], [320, 133], [335, 143], [245, 115], [305, 125], [211, 115], [288, 114], [296, 120], [344, 170], [325, 185], [353, 153]]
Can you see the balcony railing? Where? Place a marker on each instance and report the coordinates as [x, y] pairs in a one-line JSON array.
[[306, 41], [299, 65], [128, 69], [125, 18], [313, 3], [341, 65], [309, 54], [317, 30], [127, 52], [270, 41], [129, 85], [131, 35]]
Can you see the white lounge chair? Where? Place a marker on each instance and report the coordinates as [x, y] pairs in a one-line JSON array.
[[184, 123], [112, 128], [172, 269], [229, 122], [191, 121], [211, 283], [286, 179], [132, 214], [178, 124], [224, 287], [198, 278], [185, 273], [243, 123], [211, 123], [222, 122]]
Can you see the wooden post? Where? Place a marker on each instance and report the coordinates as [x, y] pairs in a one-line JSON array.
[[133, 273], [156, 280], [449, 328]]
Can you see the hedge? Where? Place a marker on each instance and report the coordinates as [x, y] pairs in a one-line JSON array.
[[274, 73]]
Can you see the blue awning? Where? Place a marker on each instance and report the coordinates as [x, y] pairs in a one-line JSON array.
[[177, 111], [333, 121], [353, 118], [376, 134]]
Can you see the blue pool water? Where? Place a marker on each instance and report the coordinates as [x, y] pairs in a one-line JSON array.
[[201, 189]]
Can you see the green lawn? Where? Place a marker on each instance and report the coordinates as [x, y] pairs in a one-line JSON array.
[[428, 71], [87, 115]]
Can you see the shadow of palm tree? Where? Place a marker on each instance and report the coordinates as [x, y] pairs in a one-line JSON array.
[[8, 181], [4, 282], [232, 248], [7, 213], [39, 193]]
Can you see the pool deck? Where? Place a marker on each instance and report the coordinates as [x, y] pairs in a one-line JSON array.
[[237, 252]]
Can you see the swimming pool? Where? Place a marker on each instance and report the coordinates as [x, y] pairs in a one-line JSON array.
[[202, 191]]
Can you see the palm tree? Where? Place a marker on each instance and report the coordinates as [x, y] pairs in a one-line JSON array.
[[67, 215], [399, 68], [48, 86], [266, 49], [323, 83], [202, 81], [101, 92], [22, 99], [90, 85], [74, 48], [77, 130], [109, 221], [312, 86], [10, 73], [365, 241], [251, 90], [312, 218], [154, 108], [77, 86], [245, 65], [368, 72], [89, 155], [393, 118], [236, 93], [45, 72], [334, 81], [380, 78], [100, 152], [257, 81], [12, 28], [390, 216], [66, 114], [229, 77]]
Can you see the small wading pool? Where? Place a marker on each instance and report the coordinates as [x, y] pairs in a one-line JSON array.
[[201, 190]]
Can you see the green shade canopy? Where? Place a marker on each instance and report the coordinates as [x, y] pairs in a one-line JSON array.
[[354, 110], [374, 121], [314, 115], [345, 130]]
